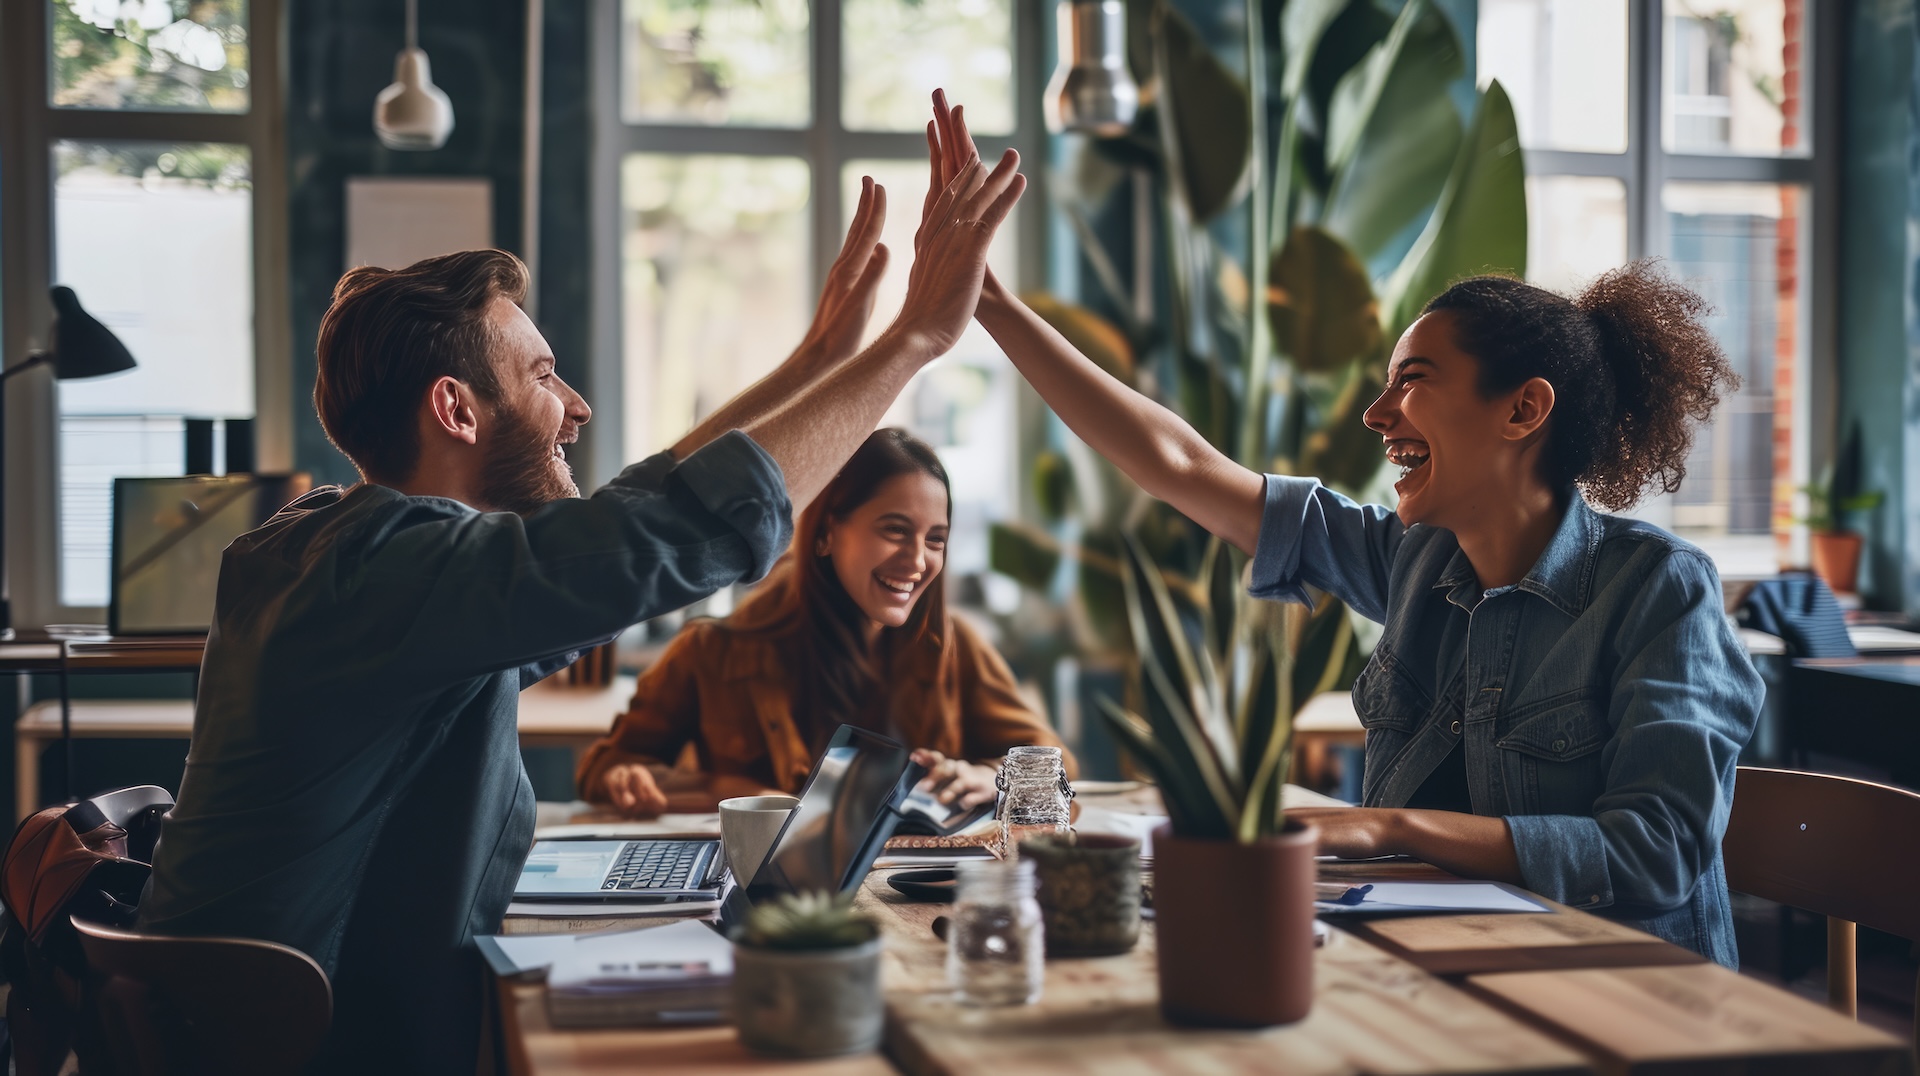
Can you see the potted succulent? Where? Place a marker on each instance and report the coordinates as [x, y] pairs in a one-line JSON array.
[[1233, 878], [1835, 550], [806, 977]]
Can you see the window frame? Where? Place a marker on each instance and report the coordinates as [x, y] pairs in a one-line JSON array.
[[825, 144], [29, 127], [1647, 166]]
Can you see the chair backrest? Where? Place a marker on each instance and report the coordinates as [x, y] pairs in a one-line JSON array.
[[207, 1005], [1836, 846]]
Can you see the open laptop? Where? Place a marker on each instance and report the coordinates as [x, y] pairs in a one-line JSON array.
[[847, 811]]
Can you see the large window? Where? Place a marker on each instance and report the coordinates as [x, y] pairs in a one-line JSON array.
[[142, 155], [1681, 128], [729, 170]]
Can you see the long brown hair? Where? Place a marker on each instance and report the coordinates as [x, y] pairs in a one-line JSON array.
[[803, 604]]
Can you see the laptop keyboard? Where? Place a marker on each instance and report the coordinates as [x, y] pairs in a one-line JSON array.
[[655, 865]]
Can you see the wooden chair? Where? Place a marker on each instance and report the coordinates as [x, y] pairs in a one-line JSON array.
[[206, 1005], [1835, 846]]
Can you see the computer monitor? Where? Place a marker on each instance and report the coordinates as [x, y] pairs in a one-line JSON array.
[[847, 811], [168, 538]]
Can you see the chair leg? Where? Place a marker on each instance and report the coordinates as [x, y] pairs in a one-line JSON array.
[[1843, 993]]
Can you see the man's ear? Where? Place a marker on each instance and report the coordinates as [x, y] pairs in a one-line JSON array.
[[1531, 406], [453, 410]]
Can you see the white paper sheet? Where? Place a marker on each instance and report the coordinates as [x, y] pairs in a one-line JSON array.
[[1398, 898]]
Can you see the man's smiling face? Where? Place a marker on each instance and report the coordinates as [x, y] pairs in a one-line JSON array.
[[1439, 429], [536, 414]]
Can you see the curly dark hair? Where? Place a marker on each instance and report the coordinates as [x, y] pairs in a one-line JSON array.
[[1632, 366]]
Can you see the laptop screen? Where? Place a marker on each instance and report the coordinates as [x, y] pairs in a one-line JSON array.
[[846, 813]]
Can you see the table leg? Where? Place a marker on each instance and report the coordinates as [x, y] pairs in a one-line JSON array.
[[26, 776]]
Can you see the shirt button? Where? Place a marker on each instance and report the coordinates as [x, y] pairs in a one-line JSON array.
[[1455, 727]]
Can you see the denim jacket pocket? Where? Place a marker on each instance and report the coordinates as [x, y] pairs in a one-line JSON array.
[[1385, 698], [1551, 755]]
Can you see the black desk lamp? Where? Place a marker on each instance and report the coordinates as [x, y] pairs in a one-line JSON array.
[[82, 347]]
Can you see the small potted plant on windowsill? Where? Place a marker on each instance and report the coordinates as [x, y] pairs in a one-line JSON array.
[[1834, 549], [806, 977], [1233, 877]]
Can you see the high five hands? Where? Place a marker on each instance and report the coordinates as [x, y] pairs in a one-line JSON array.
[[950, 151], [846, 300]]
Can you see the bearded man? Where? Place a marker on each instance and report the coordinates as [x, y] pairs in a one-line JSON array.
[[354, 787]]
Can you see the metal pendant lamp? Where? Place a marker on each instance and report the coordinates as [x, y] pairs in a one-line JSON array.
[[1092, 91], [412, 113]]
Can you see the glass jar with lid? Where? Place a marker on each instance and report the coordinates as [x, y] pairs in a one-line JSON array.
[[1035, 797]]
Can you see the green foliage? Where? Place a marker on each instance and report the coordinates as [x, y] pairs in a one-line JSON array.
[[811, 920], [1839, 494], [1321, 302], [1217, 723], [1209, 134]]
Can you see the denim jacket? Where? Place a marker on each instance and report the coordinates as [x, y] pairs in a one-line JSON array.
[[1603, 699]]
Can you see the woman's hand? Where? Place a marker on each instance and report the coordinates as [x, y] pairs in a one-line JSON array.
[[957, 780], [846, 302], [633, 791], [950, 148], [1350, 832]]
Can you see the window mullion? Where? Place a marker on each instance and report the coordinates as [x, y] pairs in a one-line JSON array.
[[1645, 150], [828, 140]]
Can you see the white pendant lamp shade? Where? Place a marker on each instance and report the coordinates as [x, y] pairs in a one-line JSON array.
[[1092, 91], [412, 113]]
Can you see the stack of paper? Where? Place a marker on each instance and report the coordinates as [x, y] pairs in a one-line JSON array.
[[680, 974]]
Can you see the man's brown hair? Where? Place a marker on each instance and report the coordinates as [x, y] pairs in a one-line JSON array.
[[391, 333]]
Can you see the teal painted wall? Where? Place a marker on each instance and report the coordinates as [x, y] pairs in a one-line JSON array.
[[1875, 254]]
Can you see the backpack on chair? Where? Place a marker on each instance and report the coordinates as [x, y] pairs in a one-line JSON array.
[[91, 859]]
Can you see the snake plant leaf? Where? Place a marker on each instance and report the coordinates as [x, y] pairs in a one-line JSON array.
[[1178, 710], [1209, 114], [1223, 604], [1321, 302], [1393, 132], [1095, 337], [1024, 552], [1480, 223], [1268, 738], [1321, 656], [1342, 452], [1189, 808]]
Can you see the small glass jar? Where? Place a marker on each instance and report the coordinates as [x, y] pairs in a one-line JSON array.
[[1035, 797], [996, 946]]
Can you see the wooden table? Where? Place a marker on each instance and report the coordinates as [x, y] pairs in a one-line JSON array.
[[1376, 1010]]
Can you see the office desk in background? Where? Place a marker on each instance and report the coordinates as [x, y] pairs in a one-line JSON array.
[[551, 715], [1865, 709]]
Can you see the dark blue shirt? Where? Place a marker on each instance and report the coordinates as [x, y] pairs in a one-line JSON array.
[[354, 787], [1600, 703]]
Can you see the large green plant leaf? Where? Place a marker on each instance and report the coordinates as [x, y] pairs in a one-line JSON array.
[[1028, 554], [1302, 24], [1342, 452], [1480, 224], [1321, 302], [1392, 132], [1206, 117], [1345, 43]]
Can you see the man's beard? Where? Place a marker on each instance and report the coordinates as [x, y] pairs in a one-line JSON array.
[[522, 474]]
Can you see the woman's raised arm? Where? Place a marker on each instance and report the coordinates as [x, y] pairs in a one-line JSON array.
[[1155, 447]]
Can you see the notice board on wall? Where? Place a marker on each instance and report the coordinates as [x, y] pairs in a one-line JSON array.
[[394, 221]]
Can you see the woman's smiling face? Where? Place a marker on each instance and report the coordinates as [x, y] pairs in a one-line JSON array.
[[1453, 444], [888, 551]]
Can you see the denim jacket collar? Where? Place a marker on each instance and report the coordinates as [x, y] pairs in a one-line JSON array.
[[1563, 575]]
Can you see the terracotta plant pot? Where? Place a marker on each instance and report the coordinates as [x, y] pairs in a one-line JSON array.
[[808, 1002], [1235, 928], [1836, 558]]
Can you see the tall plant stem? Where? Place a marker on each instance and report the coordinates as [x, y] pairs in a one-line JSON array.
[[1253, 450]]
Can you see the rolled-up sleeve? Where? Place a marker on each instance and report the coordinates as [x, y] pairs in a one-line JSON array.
[[1685, 700], [1311, 535]]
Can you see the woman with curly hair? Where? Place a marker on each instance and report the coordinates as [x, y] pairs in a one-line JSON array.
[[1558, 699]]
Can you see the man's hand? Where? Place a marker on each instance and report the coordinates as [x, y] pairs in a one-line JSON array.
[[634, 792], [950, 263], [957, 780], [846, 302], [950, 148]]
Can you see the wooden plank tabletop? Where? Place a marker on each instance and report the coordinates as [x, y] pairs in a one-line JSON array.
[[1695, 1018], [1557, 940], [1372, 1013]]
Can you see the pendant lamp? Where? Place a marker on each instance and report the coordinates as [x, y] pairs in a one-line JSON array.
[[412, 113], [1092, 91]]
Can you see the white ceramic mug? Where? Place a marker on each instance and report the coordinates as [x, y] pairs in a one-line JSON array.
[[748, 825]]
